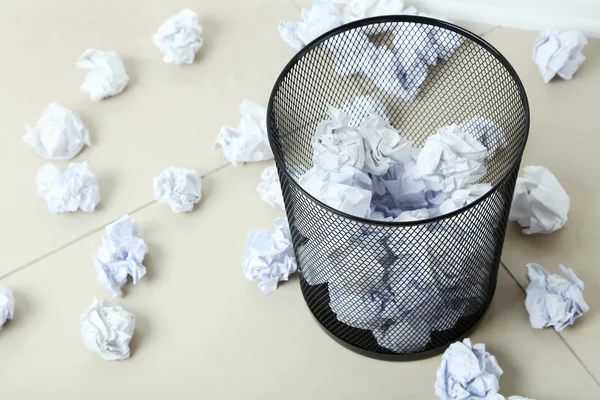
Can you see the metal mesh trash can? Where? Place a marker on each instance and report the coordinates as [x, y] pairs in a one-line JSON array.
[[399, 290]]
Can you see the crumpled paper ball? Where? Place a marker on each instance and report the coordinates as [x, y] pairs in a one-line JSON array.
[[270, 189], [59, 133], [417, 48], [384, 145], [269, 257], [76, 188], [106, 77], [336, 144], [322, 17], [359, 310], [179, 188], [7, 305], [452, 158], [360, 9], [487, 132], [120, 256], [350, 45], [467, 372], [346, 189], [462, 197], [249, 141], [107, 329], [179, 37], [357, 295], [361, 107], [540, 203], [559, 53], [412, 309], [553, 300]]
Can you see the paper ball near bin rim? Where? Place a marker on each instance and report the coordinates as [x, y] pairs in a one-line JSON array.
[[439, 274]]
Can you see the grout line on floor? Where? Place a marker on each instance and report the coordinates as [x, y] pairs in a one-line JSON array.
[[561, 337], [95, 230], [492, 29]]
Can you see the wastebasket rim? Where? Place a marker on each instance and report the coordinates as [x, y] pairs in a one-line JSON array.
[[380, 20]]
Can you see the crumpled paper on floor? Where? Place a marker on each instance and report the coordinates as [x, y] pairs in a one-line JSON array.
[[270, 189], [59, 133], [120, 256], [180, 188], [467, 372], [360, 9], [452, 158], [107, 329], [7, 305], [69, 191], [360, 107], [559, 53], [553, 300], [249, 141], [540, 203], [346, 189], [179, 37], [336, 144], [322, 17], [106, 77], [269, 257], [487, 132], [384, 145]]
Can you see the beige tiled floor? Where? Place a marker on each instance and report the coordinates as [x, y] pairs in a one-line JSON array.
[[202, 329], [169, 115]]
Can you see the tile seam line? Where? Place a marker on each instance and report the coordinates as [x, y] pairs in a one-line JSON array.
[[81, 237], [492, 29], [560, 336]]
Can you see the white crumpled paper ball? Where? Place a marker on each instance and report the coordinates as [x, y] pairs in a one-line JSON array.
[[179, 188], [452, 158], [270, 188], [346, 189], [322, 17], [467, 372], [384, 145], [540, 203], [336, 144], [106, 77], [179, 37], [7, 305], [269, 257], [120, 256], [59, 133], [360, 107], [559, 53], [248, 142], [360, 9], [76, 188], [553, 300], [107, 329], [486, 131]]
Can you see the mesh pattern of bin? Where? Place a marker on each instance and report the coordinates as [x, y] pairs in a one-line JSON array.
[[394, 290]]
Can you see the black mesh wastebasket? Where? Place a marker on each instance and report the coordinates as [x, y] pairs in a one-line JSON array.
[[445, 268]]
